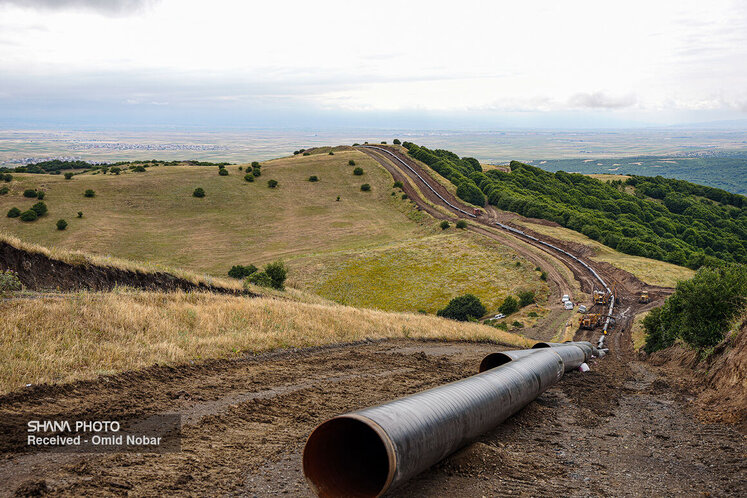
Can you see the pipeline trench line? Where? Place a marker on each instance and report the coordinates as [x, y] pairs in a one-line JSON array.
[[519, 233]]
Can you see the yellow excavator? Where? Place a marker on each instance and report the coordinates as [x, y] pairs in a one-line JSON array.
[[643, 297]]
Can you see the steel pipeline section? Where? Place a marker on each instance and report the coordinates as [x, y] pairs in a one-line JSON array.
[[367, 452]]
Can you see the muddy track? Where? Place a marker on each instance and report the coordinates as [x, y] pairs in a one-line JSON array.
[[245, 421]]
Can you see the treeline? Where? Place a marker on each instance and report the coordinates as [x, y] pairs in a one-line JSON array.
[[670, 220], [458, 171], [701, 310], [56, 166]]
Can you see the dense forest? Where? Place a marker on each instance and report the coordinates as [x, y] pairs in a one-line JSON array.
[[720, 169], [56, 166], [666, 219]]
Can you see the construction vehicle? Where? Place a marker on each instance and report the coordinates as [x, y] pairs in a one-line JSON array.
[[590, 321], [602, 297], [643, 297], [477, 212]]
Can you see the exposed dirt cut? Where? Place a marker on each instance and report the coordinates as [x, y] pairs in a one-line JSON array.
[[39, 272], [612, 431]]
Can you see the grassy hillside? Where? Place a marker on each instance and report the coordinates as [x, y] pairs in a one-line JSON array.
[[153, 217], [60, 339], [369, 249], [421, 274], [650, 271]]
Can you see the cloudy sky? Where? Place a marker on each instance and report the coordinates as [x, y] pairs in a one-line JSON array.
[[474, 64]]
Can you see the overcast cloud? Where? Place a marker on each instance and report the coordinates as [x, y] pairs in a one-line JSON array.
[[634, 62]]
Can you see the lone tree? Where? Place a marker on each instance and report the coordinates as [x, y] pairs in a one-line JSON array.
[[463, 308], [313, 178], [396, 141], [61, 224], [351, 163], [223, 172], [272, 183], [69, 176], [199, 192], [461, 224], [358, 171], [249, 177], [444, 225], [365, 187], [89, 193]]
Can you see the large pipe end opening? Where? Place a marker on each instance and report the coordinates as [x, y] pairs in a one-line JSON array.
[[541, 345], [494, 360], [348, 456]]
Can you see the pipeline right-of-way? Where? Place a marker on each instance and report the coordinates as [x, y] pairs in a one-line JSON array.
[[369, 451], [600, 343]]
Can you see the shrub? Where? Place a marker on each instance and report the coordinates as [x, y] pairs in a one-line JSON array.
[[277, 272], [537, 268], [526, 298], [532, 314], [502, 326], [4, 190], [461, 224], [14, 212], [69, 175], [365, 187], [223, 172], [272, 183], [331, 153], [307, 153], [463, 308], [404, 196], [398, 184], [444, 225], [351, 163], [61, 224], [30, 193], [116, 170], [383, 142], [199, 192], [396, 141], [139, 169], [358, 171], [241, 272], [7, 177], [39, 208], [29, 215], [543, 276], [80, 214], [255, 164], [9, 282], [221, 166], [249, 177], [256, 172], [338, 198], [313, 178], [517, 324], [701, 310], [40, 195], [259, 278], [509, 306], [241, 168]]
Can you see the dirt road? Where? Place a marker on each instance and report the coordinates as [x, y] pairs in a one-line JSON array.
[[617, 430]]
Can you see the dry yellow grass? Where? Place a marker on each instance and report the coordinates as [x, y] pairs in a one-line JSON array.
[[638, 332], [83, 335], [650, 271]]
